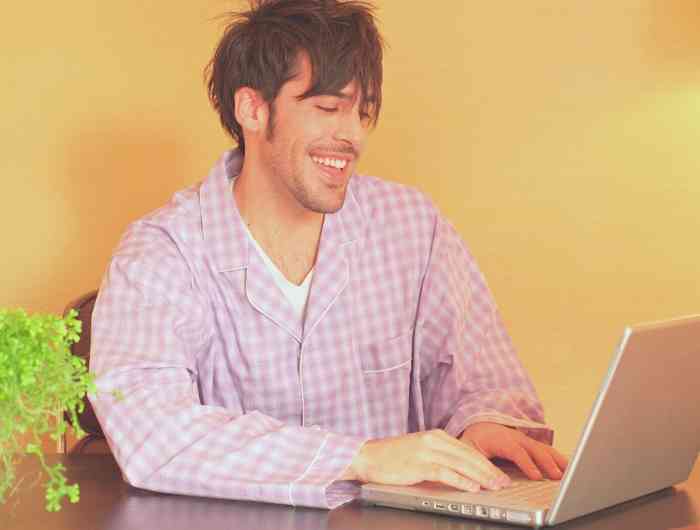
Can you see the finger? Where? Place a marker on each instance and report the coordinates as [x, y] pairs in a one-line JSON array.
[[466, 468], [560, 459], [445, 475], [466, 459], [540, 453], [466, 449], [517, 454]]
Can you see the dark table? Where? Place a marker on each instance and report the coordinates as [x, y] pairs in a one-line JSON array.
[[108, 503]]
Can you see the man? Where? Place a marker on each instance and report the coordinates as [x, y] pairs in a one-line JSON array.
[[287, 329]]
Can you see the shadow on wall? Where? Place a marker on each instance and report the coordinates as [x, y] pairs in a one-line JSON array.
[[114, 175]]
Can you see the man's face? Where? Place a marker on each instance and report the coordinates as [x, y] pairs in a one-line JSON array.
[[312, 145]]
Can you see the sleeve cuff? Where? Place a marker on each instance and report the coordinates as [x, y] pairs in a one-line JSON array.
[[539, 431], [319, 486]]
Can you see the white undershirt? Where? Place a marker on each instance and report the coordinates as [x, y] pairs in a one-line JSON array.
[[297, 295]]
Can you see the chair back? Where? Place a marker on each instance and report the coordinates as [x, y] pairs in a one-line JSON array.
[[84, 305]]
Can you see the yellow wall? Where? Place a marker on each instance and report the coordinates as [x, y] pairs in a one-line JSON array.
[[562, 141]]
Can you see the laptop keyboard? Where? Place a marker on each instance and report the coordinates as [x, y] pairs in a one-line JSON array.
[[535, 492]]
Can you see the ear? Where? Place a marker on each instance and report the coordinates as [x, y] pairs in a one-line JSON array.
[[251, 110]]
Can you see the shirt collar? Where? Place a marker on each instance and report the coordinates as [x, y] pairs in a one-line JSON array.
[[224, 232]]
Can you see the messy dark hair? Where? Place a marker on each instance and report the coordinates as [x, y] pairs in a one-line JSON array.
[[260, 49]]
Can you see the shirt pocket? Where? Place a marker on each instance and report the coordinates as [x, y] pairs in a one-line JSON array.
[[386, 371]]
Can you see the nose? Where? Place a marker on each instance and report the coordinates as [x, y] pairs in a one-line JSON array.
[[351, 129]]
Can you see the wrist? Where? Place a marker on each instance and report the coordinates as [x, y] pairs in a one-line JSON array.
[[348, 474], [355, 471], [478, 426], [469, 429]]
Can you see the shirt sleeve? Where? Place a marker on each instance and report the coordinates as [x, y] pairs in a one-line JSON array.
[[149, 325], [468, 368]]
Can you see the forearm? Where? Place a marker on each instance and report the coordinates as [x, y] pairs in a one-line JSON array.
[[165, 441], [468, 391], [516, 409]]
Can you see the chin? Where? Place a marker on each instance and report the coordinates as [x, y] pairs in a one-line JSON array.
[[330, 206], [327, 208], [334, 209]]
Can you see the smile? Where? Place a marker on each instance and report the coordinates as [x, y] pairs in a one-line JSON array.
[[330, 162]]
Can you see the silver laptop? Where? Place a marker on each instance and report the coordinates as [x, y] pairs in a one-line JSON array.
[[642, 435]]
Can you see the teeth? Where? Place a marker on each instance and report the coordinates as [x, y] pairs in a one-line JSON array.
[[331, 162]]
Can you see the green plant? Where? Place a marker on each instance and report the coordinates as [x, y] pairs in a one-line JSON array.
[[39, 380]]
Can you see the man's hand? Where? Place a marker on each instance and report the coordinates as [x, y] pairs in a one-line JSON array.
[[432, 455], [535, 459]]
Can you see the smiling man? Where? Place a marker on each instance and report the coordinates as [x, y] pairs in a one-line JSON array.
[[287, 329], [301, 151]]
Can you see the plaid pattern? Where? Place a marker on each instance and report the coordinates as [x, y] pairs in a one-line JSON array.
[[225, 394]]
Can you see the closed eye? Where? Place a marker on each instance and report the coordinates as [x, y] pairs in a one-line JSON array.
[[327, 109]]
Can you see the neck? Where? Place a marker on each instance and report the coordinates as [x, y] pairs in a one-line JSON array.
[[267, 208], [288, 232]]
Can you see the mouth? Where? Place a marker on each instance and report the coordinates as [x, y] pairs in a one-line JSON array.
[[334, 168]]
